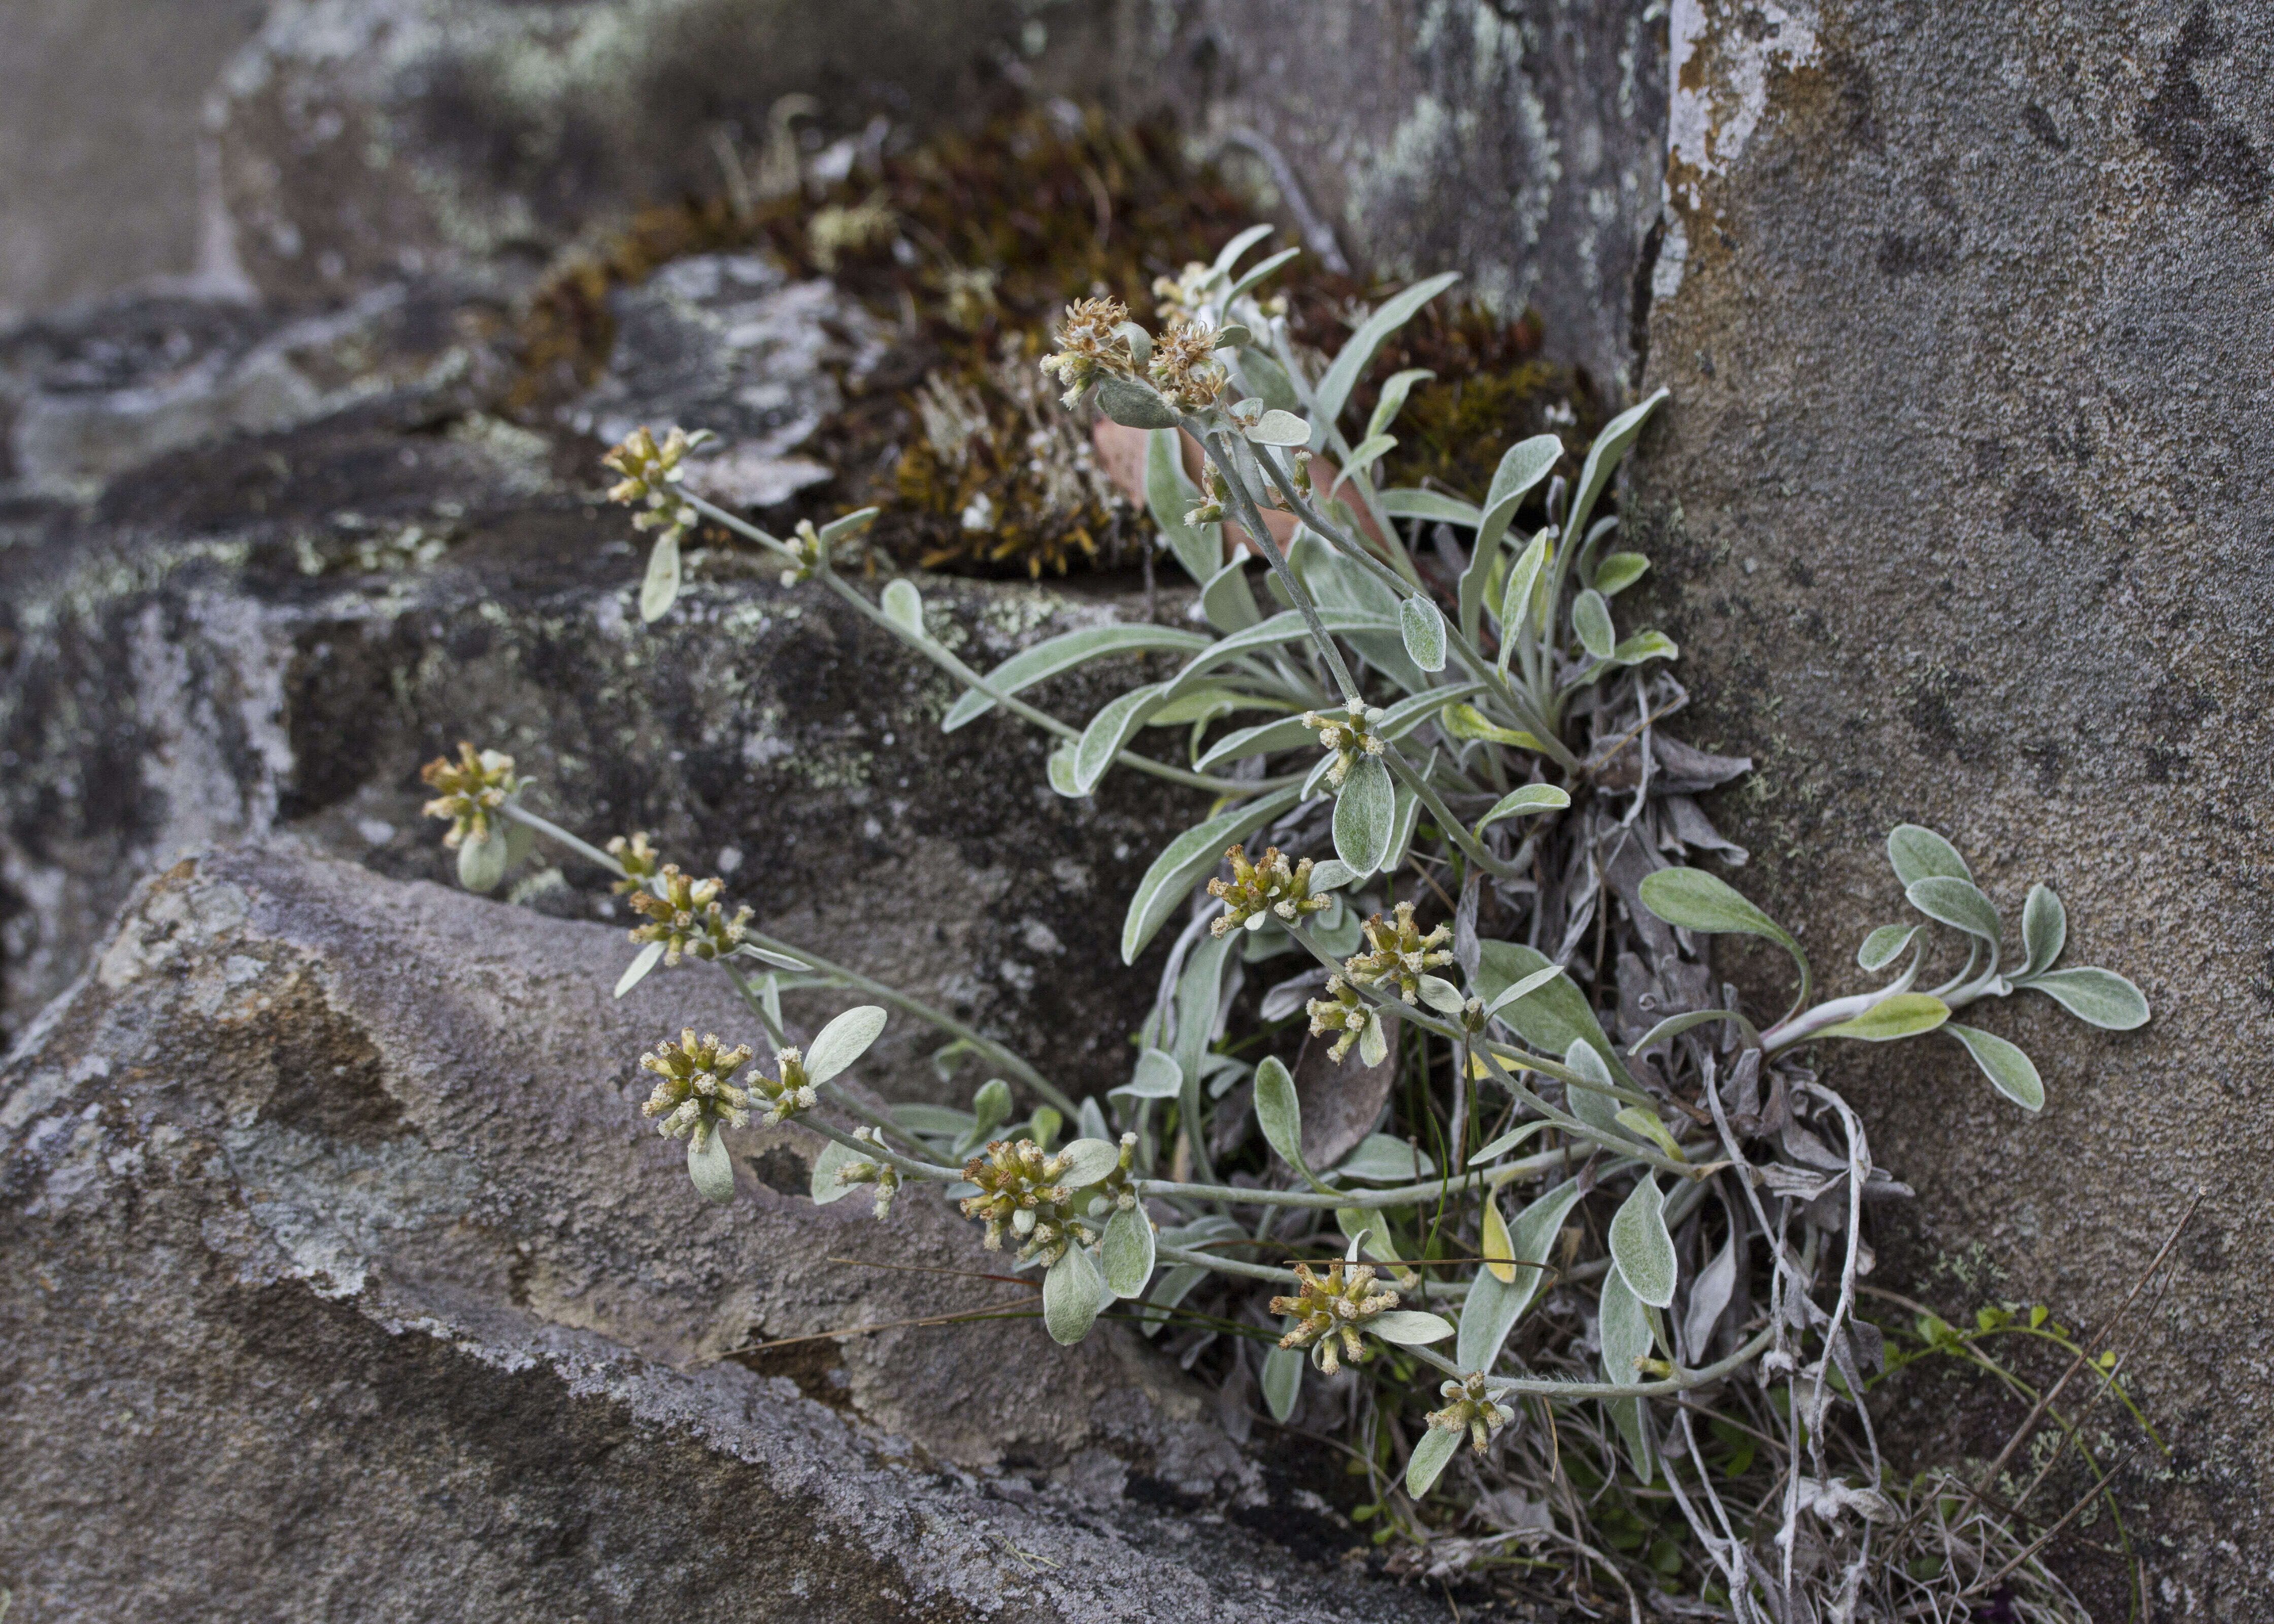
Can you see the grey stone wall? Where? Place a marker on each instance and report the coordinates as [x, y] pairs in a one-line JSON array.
[[1963, 517]]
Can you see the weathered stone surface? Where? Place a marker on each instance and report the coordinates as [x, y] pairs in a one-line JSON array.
[[100, 105], [1961, 500], [337, 1266], [363, 140], [277, 631], [87, 396], [1520, 144]]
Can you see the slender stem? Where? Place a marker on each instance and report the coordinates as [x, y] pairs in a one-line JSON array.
[[987, 1046], [1403, 1195], [1455, 828], [874, 1152], [1250, 517], [995, 1051]]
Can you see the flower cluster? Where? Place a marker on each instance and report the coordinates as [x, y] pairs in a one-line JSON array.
[[1401, 954], [1473, 1408], [788, 1095], [1183, 365], [642, 862], [651, 474], [692, 1092], [1088, 345], [1348, 736], [686, 916], [1345, 1012], [1334, 1309], [1018, 1188], [887, 1178], [1181, 295], [470, 791], [1267, 887]]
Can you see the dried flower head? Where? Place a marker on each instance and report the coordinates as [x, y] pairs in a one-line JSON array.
[[651, 474], [1348, 736], [642, 862], [1473, 1408], [1019, 1188], [693, 1094], [470, 791], [887, 1178], [1089, 344], [1265, 888], [686, 916], [1344, 1011], [1184, 364], [1185, 294], [1400, 955], [1331, 1309], [790, 1093]]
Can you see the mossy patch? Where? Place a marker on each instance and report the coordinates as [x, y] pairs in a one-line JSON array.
[[967, 246]]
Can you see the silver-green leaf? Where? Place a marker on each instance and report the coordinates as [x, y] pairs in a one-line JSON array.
[[1349, 366], [1278, 428], [1088, 1162], [824, 1183], [660, 589], [2096, 997], [1133, 405], [1494, 1307], [1279, 1112], [1882, 946], [1428, 1460], [842, 1041], [1697, 900], [1072, 1292], [1641, 1246], [1110, 729], [1366, 815], [904, 606], [1957, 903], [1128, 1252], [1283, 1379], [1424, 630], [2010, 1072], [1157, 1077], [636, 972], [1591, 619], [1410, 1329], [1064, 653], [2044, 929], [711, 1167], [1919, 853], [1531, 798], [482, 862]]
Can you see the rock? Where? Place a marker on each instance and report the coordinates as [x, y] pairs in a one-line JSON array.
[[100, 113], [729, 343], [336, 1265], [361, 141], [87, 396], [276, 631], [1521, 144], [1959, 518]]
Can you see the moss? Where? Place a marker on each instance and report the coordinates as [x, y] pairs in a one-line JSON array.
[[968, 246]]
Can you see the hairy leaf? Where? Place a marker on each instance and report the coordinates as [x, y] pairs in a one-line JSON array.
[[1493, 1305], [1394, 391], [1283, 1379], [1128, 1252], [1919, 853], [1109, 730], [2044, 929], [1279, 1113], [1591, 619], [711, 1167], [1618, 571], [1898, 1015], [1428, 1462], [1366, 813], [636, 972], [824, 1182], [1531, 798], [1626, 1337], [1133, 405], [1551, 1019], [1349, 366], [1641, 1246], [1088, 1160], [1428, 505], [1882, 946], [1227, 602], [904, 606], [1071, 1296], [660, 590], [1410, 1329], [1424, 631], [1697, 900], [1957, 903], [2096, 997], [2010, 1072], [842, 1041], [1157, 1077], [482, 862], [1382, 1160], [1603, 458], [1522, 466], [1064, 653], [1170, 495]]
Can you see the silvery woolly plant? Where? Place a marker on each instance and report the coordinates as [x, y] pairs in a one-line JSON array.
[[1616, 1250]]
